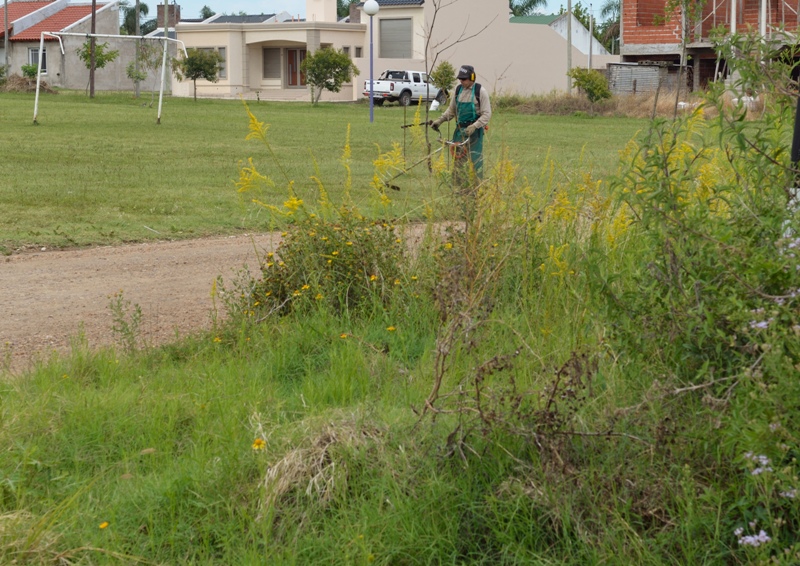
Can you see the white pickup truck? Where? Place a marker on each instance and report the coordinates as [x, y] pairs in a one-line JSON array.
[[403, 87]]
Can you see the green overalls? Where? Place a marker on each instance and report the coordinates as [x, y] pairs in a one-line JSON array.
[[466, 115]]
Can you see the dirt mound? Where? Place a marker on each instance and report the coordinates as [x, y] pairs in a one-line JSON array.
[[17, 83]]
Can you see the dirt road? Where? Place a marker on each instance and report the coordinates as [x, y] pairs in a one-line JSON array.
[[48, 297]]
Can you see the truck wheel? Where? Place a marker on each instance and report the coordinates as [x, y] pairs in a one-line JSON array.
[[405, 98], [441, 96]]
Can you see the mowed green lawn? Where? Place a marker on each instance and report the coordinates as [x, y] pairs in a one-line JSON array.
[[102, 171]]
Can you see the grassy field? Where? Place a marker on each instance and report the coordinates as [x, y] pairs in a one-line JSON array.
[[102, 171], [588, 370]]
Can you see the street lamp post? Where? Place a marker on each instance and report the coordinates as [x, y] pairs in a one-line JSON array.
[[371, 8]]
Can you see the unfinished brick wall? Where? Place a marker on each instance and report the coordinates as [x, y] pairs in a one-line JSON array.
[[640, 17], [645, 23]]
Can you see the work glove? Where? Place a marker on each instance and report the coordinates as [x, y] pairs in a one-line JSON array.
[[434, 124], [469, 130]]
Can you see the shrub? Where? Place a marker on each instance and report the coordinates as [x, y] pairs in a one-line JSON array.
[[591, 82], [30, 71], [344, 264]]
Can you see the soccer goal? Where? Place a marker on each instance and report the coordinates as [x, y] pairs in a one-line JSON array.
[[59, 35]]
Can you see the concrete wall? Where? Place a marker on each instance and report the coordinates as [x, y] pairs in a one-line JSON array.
[[581, 38], [508, 58], [68, 71]]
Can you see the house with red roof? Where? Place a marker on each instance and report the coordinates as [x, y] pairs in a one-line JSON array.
[[60, 65]]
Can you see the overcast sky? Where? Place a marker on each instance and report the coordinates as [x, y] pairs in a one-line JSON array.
[[191, 8]]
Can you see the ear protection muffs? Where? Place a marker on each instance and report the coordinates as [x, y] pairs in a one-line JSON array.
[[472, 76]]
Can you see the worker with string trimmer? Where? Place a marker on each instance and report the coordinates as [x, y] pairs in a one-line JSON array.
[[472, 110]]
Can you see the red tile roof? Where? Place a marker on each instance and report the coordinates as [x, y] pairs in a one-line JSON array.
[[57, 22], [18, 9]]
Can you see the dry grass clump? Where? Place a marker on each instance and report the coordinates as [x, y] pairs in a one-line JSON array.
[[629, 105], [18, 83], [25, 540], [319, 468]]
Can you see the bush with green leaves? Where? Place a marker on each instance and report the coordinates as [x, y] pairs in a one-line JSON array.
[[30, 71], [592, 82], [709, 308], [327, 69], [443, 76], [344, 264], [102, 55]]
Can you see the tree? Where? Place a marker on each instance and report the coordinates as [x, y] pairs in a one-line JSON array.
[[327, 69], [581, 14], [149, 59], [443, 77], [525, 7], [343, 7], [96, 58], [206, 12], [199, 65], [128, 26], [608, 31]]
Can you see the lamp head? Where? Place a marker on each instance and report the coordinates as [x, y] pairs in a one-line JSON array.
[[371, 7]]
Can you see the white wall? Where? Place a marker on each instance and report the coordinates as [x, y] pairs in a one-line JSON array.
[[580, 37]]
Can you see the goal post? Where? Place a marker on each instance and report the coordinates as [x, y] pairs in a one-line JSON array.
[[58, 35]]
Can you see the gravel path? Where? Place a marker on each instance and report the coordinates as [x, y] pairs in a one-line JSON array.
[[49, 297]]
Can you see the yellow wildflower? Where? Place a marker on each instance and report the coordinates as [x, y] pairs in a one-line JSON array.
[[391, 328], [259, 444], [104, 524]]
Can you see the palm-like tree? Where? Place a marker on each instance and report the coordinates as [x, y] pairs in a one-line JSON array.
[[610, 14], [525, 7], [129, 18]]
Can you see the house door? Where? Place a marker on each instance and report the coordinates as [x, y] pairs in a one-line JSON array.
[[293, 60]]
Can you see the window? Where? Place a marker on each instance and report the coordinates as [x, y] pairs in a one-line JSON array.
[[396, 39], [272, 63], [346, 50], [33, 58], [416, 77], [223, 65], [358, 52], [222, 68]]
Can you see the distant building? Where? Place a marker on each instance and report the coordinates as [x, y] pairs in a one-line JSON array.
[[263, 54]]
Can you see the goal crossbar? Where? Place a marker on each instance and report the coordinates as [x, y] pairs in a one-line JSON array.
[[58, 34]]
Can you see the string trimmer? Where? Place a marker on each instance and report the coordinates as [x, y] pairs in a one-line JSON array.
[[445, 143]]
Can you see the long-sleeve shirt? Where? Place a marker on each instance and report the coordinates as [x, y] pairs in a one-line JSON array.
[[482, 106]]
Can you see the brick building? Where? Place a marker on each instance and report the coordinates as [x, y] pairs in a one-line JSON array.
[[649, 35]]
